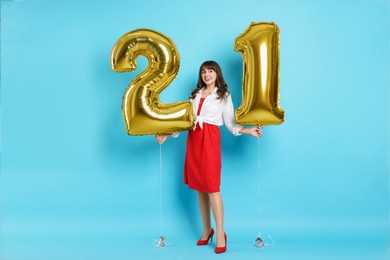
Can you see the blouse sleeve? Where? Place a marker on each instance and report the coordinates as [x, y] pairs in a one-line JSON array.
[[228, 116], [175, 134]]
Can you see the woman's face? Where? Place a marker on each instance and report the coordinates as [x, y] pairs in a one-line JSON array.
[[208, 76]]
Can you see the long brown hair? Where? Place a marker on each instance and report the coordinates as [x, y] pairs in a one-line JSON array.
[[220, 83]]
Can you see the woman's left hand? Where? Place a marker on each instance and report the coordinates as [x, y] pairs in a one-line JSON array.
[[257, 131]]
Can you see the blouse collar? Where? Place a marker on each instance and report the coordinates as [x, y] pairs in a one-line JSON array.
[[212, 92]]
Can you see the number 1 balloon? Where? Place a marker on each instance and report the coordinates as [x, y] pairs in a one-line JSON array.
[[259, 46]]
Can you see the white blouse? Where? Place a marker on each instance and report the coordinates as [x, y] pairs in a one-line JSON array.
[[216, 111]]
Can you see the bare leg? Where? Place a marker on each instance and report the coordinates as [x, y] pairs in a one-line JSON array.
[[217, 207], [204, 206]]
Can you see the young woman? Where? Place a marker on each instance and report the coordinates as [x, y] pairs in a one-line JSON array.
[[213, 106]]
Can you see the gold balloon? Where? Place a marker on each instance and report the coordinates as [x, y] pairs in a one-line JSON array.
[[142, 110], [259, 46]]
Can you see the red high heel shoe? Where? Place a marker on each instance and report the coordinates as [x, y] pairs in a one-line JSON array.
[[221, 249], [202, 242]]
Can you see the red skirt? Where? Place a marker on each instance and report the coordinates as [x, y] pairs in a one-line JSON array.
[[202, 167]]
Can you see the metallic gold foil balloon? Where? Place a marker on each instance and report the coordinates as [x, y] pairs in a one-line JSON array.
[[259, 46], [142, 110]]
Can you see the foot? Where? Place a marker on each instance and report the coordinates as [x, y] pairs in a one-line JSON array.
[[206, 233], [221, 249], [221, 239]]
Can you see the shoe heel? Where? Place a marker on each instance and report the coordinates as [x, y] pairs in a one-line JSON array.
[[202, 242]]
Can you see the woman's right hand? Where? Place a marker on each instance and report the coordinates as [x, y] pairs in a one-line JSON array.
[[256, 131], [161, 138]]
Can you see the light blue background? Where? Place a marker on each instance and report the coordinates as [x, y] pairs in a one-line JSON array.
[[74, 185]]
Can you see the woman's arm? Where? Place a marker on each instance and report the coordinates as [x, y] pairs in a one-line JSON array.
[[255, 131], [228, 116]]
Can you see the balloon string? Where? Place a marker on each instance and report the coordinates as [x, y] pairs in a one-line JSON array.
[[258, 154], [161, 215], [258, 169]]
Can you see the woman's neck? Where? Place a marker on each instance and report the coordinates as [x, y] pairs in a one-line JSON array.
[[209, 88]]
